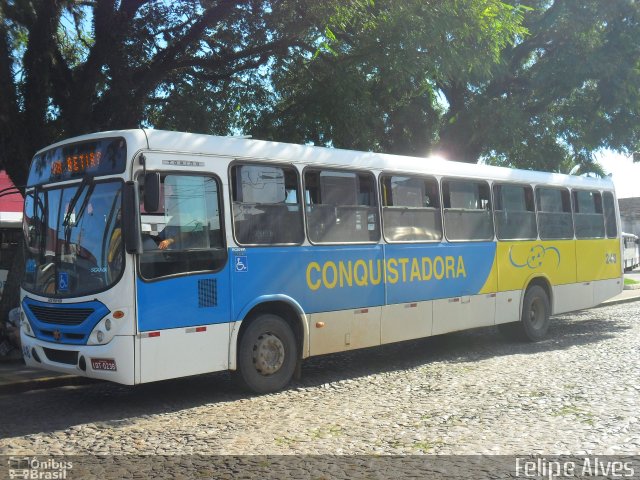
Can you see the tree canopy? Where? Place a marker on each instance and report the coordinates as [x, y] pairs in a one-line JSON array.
[[69, 67], [528, 83], [534, 84]]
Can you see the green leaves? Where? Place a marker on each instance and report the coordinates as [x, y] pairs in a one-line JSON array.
[[536, 84]]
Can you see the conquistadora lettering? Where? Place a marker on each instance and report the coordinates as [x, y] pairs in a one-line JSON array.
[[363, 273]]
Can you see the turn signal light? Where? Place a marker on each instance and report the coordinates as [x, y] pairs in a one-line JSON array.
[[118, 314]]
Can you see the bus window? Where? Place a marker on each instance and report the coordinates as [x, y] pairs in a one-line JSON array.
[[588, 218], [266, 205], [185, 234], [515, 213], [341, 207], [610, 215], [467, 210], [554, 213], [410, 209]]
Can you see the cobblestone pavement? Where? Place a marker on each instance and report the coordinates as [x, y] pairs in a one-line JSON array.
[[470, 392]]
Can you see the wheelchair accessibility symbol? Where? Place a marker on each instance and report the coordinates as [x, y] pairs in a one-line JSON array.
[[63, 281], [241, 264]]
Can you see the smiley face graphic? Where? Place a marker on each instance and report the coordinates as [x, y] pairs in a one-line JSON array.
[[536, 257]]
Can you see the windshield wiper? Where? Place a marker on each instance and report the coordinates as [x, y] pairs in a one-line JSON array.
[[86, 180], [85, 202]]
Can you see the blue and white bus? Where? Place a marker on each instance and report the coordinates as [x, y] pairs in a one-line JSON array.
[[153, 255]]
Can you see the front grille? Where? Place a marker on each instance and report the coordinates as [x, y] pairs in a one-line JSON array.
[[61, 356], [60, 316]]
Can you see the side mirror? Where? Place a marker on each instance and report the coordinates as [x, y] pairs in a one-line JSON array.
[[131, 224], [151, 191]]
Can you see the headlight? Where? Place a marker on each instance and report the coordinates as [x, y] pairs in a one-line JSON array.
[[106, 329]]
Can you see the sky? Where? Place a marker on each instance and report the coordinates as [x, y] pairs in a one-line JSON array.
[[624, 173]]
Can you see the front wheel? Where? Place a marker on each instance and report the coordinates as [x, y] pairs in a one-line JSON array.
[[534, 320], [267, 354]]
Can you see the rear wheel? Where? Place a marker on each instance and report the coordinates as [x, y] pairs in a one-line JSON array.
[[267, 354], [534, 320]]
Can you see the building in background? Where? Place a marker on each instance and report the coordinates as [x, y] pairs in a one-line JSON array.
[[10, 224], [630, 214]]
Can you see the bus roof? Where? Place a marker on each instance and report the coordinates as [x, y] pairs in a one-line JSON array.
[[245, 148]]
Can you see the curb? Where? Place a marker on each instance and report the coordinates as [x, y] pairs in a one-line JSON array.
[[617, 302], [43, 383]]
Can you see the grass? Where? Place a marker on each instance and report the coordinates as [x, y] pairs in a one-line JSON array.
[[629, 281]]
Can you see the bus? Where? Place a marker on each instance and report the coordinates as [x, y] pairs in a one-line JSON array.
[[153, 255], [631, 254]]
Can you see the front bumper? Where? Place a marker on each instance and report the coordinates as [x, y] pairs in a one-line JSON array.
[[71, 359]]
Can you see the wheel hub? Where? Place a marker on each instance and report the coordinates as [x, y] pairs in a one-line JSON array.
[[268, 354], [536, 313]]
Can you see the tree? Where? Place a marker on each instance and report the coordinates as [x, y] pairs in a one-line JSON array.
[[376, 86], [532, 84], [567, 89], [69, 67]]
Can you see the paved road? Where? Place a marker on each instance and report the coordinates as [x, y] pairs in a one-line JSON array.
[[469, 392]]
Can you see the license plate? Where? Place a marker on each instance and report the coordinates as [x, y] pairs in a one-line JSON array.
[[103, 364]]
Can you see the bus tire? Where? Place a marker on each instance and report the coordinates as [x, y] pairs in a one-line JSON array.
[[267, 354], [534, 319]]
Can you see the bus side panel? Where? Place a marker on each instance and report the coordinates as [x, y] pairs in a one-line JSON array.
[[520, 261], [184, 325], [599, 270], [184, 351], [319, 278], [460, 313], [344, 330], [606, 289], [406, 321], [599, 259], [508, 306], [438, 288], [340, 288], [439, 270]]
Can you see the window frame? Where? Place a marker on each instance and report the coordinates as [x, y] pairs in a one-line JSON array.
[[495, 210], [375, 196], [301, 204], [223, 235], [615, 213], [544, 186], [574, 211], [443, 208], [388, 174]]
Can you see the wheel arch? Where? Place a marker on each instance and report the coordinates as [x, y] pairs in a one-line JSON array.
[[543, 282], [281, 305]]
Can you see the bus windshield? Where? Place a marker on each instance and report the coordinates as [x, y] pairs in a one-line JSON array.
[[73, 238]]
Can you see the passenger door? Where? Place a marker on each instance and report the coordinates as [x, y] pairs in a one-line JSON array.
[[183, 279]]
